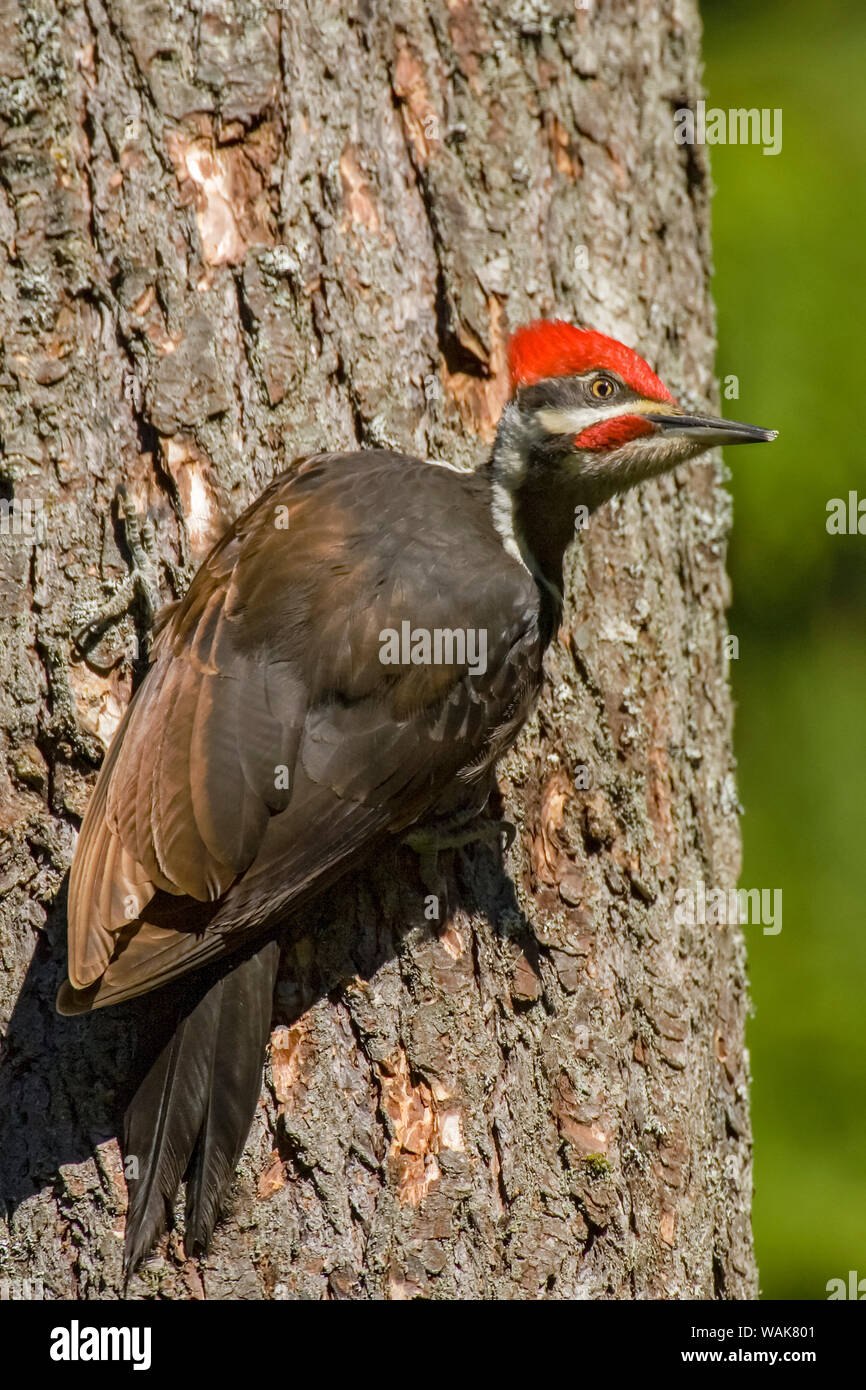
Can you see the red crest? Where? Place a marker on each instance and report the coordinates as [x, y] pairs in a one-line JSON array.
[[554, 348]]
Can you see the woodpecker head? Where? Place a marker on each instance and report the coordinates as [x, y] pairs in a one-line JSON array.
[[589, 418]]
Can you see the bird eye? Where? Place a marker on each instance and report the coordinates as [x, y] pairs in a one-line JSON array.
[[602, 389]]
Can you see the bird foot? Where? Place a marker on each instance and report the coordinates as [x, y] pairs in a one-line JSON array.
[[430, 840], [141, 584]]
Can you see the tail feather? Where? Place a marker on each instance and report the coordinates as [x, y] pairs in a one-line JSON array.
[[193, 1110], [236, 1080]]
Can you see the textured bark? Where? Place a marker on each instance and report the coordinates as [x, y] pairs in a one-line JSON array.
[[234, 233]]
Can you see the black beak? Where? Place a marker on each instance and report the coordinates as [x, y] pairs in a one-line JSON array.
[[710, 431]]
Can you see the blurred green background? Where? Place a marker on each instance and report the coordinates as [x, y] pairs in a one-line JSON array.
[[789, 248]]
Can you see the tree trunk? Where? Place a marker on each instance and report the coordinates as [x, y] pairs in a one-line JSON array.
[[234, 233]]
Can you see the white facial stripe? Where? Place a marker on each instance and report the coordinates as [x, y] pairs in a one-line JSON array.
[[573, 421], [502, 507]]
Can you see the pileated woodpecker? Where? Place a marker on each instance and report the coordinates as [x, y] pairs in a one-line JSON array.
[[300, 709]]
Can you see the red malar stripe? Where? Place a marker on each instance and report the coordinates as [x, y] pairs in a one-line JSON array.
[[610, 434]]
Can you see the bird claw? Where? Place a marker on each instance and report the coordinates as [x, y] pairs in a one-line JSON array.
[[141, 584], [141, 544], [428, 842], [508, 831]]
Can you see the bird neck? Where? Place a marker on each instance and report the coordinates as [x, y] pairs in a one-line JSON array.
[[534, 509]]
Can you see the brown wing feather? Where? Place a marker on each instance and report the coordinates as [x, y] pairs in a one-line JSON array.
[[92, 938], [270, 665]]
